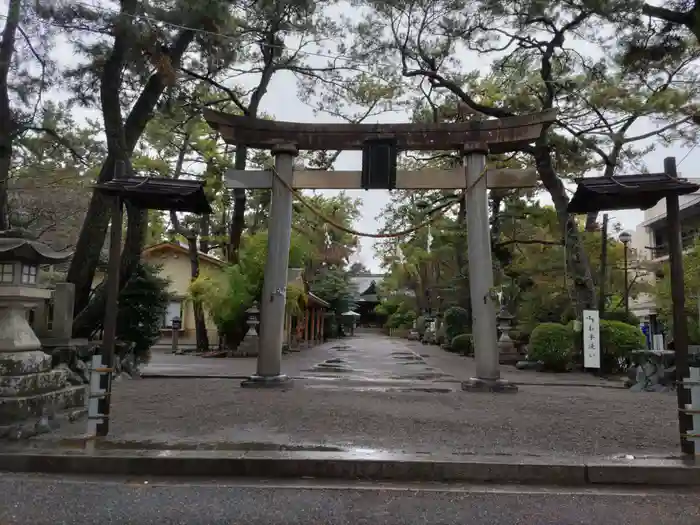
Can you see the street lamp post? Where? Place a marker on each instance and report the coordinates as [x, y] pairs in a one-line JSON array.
[[625, 238]]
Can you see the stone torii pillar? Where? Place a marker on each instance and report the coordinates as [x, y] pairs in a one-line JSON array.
[[484, 329], [274, 295]]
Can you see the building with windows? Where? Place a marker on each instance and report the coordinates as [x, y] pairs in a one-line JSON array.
[[650, 245]]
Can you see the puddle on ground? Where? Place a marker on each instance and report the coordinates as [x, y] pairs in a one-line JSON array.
[[393, 354], [335, 360], [79, 443], [383, 389], [322, 367]]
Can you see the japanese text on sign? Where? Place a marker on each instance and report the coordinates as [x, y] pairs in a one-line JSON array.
[[591, 339]]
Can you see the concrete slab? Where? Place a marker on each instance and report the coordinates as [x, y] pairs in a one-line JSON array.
[[376, 466]]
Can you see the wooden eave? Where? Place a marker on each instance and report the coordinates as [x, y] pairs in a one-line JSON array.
[[160, 193], [626, 192]]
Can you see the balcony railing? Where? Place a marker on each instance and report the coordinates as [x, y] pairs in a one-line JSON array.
[[662, 250]]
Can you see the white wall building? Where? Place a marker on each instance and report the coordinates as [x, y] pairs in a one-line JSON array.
[[650, 243]]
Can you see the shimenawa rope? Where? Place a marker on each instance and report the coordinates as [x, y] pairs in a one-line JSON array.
[[435, 216]]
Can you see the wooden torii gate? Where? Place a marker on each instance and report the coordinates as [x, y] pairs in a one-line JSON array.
[[380, 144]]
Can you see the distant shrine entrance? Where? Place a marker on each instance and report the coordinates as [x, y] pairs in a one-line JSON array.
[[380, 145]]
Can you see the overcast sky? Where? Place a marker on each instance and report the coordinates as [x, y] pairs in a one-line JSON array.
[[281, 103]]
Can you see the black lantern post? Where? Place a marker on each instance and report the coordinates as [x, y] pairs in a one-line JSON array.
[[625, 238]]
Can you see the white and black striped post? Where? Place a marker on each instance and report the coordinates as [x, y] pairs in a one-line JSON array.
[[98, 402], [692, 410]]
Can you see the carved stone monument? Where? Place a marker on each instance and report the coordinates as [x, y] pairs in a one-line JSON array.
[[30, 391]]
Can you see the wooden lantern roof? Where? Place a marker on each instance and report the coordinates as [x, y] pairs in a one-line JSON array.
[[160, 193], [626, 192]]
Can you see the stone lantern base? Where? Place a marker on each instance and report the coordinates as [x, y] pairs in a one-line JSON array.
[[31, 390]]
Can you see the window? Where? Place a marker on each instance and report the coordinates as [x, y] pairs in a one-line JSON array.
[[7, 272], [28, 274], [174, 310]]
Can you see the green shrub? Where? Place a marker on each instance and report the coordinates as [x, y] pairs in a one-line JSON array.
[[401, 319], [421, 325], [622, 316], [617, 340], [456, 322], [551, 343], [463, 344], [142, 304]]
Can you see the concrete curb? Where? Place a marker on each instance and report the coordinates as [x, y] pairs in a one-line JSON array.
[[349, 466]]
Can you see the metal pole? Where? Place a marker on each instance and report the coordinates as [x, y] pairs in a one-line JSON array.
[[273, 301], [109, 333], [603, 265], [627, 288], [680, 322], [484, 330]]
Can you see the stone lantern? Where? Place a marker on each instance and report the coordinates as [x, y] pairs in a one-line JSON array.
[[28, 387], [249, 346], [506, 348]]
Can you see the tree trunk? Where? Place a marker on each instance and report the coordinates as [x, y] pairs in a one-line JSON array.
[[204, 233], [92, 234], [91, 317], [200, 324], [7, 122], [238, 216], [576, 258]]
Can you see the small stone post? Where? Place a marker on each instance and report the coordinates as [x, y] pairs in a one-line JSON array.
[[63, 304], [176, 325], [273, 301]]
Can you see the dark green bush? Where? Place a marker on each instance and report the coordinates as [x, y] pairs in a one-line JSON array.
[[463, 344], [142, 304], [622, 316], [617, 340], [551, 343], [401, 319], [456, 322]]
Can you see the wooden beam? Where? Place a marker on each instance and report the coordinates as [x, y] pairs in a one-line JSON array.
[[405, 180], [498, 135]]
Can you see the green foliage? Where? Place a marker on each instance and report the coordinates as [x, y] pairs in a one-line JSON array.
[[463, 344], [333, 286], [227, 294], [622, 316], [551, 343], [457, 322], [142, 304], [617, 340], [401, 319]]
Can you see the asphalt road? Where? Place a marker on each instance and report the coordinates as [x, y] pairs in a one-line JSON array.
[[68, 500]]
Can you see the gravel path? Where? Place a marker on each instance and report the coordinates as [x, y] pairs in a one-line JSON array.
[[536, 420]]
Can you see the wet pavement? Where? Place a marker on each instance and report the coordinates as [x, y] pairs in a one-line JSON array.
[[377, 362], [374, 361], [51, 500], [379, 394]]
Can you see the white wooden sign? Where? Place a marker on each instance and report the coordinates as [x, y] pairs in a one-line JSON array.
[[591, 339]]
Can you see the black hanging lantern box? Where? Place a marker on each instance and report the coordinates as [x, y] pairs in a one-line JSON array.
[[379, 164], [626, 192]]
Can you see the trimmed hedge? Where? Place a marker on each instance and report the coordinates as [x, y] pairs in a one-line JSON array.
[[463, 344], [617, 340], [551, 343], [456, 322]]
